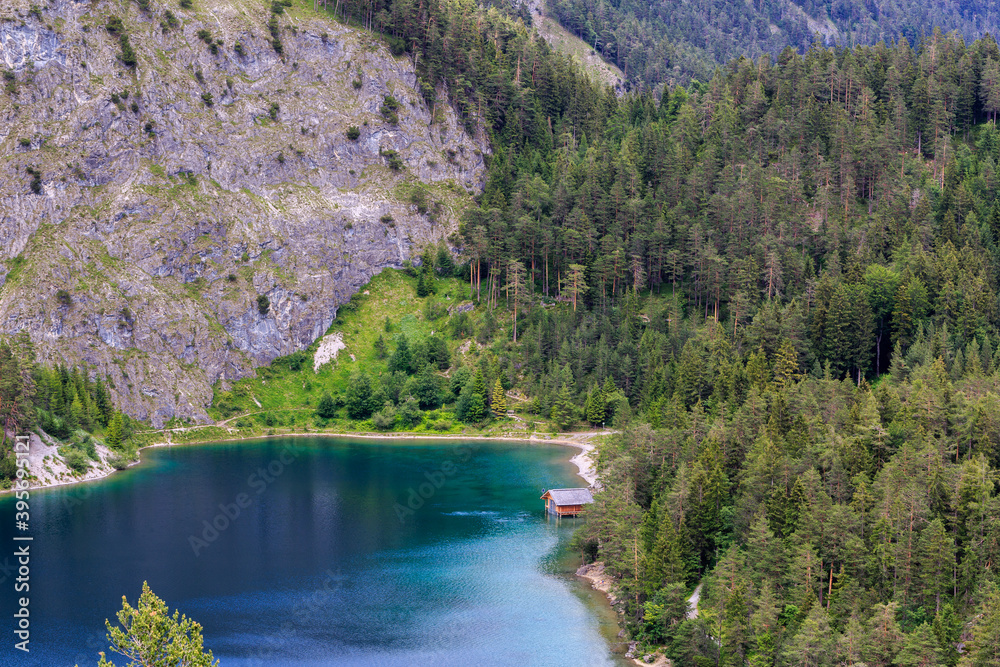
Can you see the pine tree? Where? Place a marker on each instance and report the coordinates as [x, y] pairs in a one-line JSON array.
[[326, 409], [113, 437], [936, 551], [150, 635], [983, 650], [563, 410], [498, 403], [595, 407], [786, 365], [477, 409], [920, 649], [573, 283], [479, 384]]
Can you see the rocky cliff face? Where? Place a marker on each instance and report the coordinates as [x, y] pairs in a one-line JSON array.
[[143, 210]]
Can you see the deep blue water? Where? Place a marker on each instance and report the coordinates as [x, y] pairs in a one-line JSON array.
[[335, 557]]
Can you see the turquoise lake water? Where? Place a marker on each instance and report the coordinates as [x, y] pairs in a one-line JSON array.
[[318, 551]]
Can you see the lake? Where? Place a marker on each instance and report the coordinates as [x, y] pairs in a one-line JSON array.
[[318, 551]]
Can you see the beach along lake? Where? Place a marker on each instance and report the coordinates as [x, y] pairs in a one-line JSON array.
[[318, 551]]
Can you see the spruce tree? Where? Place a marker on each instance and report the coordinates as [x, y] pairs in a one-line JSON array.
[[498, 403], [114, 435], [563, 410]]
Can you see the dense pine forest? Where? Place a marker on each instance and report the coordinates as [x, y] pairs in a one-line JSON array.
[[657, 42], [779, 286]]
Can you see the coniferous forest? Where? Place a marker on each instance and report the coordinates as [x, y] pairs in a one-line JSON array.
[[781, 286], [778, 285]]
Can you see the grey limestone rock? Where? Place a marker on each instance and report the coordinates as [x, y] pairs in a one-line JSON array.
[[163, 214]]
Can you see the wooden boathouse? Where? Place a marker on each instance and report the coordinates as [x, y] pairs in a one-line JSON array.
[[566, 502]]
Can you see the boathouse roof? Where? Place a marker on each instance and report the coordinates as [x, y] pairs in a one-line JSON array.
[[569, 496]]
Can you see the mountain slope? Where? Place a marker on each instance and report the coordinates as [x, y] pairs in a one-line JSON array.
[[180, 222], [671, 41]]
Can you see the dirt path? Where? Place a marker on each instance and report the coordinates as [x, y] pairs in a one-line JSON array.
[[693, 602]]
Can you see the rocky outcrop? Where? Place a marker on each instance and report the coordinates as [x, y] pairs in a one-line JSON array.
[[143, 211]]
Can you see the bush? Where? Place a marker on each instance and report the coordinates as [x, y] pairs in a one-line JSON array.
[[25, 141], [353, 133], [207, 99], [273, 111], [205, 36], [115, 25], [169, 21], [263, 304], [441, 425], [409, 412], [390, 105], [392, 159], [238, 48], [64, 298], [118, 462], [127, 56], [186, 4], [385, 419], [75, 459], [326, 409], [272, 26]]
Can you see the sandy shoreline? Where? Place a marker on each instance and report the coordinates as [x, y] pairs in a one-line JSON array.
[[583, 460]]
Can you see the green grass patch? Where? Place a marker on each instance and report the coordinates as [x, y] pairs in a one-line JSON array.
[[285, 394]]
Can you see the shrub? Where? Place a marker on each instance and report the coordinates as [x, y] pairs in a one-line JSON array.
[[387, 219], [169, 21], [115, 25], [441, 425], [36, 180], [135, 107], [127, 56], [352, 133], [207, 99], [186, 4], [199, 75], [390, 105], [149, 128], [263, 304], [356, 83], [272, 26], [273, 111], [281, 158], [118, 462], [25, 141], [231, 277], [75, 460], [205, 36], [240, 51], [384, 419], [392, 159], [326, 409]]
